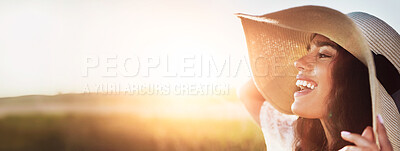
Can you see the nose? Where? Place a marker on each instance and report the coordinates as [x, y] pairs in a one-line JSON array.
[[304, 63]]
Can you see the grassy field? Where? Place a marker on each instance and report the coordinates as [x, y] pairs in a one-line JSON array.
[[80, 122]]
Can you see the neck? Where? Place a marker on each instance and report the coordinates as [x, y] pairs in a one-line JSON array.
[[328, 135]]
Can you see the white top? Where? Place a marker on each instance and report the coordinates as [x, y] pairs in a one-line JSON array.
[[277, 128]]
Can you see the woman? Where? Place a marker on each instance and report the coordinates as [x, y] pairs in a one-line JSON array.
[[335, 76]]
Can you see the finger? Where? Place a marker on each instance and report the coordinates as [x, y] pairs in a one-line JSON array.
[[357, 139], [382, 136], [368, 134], [350, 148]]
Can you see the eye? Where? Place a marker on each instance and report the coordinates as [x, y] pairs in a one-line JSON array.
[[321, 55]]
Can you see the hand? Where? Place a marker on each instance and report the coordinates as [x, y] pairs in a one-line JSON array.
[[366, 141]]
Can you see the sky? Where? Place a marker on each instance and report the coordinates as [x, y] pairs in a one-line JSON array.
[[76, 46]]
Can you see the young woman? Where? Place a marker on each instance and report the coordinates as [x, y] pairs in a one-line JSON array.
[[333, 96]]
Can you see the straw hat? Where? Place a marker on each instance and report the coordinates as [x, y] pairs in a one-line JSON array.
[[276, 40]]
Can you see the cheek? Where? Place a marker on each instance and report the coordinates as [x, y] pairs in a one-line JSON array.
[[322, 97], [325, 82], [316, 104]]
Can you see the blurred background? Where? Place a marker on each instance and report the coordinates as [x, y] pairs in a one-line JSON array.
[[133, 75]]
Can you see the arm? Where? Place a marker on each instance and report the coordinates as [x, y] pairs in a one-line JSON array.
[[252, 99]]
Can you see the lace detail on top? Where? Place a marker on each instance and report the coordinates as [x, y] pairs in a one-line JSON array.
[[277, 128]]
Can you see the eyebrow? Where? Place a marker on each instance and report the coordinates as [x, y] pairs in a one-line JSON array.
[[323, 43]]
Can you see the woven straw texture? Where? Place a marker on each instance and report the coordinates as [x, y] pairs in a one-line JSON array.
[[383, 39]]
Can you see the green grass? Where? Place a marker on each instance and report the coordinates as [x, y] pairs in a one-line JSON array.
[[79, 122], [119, 132]]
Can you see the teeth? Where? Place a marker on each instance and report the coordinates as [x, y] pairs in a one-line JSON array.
[[303, 84], [298, 82]]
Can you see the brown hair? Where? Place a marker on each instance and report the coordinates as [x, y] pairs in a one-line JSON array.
[[349, 107]]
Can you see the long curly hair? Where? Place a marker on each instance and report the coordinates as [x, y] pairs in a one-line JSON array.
[[349, 107]]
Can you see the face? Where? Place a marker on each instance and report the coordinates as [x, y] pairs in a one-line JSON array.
[[314, 78]]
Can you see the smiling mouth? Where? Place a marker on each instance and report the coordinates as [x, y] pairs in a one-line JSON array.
[[305, 87], [302, 84]]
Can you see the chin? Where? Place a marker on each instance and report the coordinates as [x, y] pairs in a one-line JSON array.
[[303, 110], [296, 109]]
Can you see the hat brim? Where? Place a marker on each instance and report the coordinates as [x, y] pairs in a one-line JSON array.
[[272, 51]]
